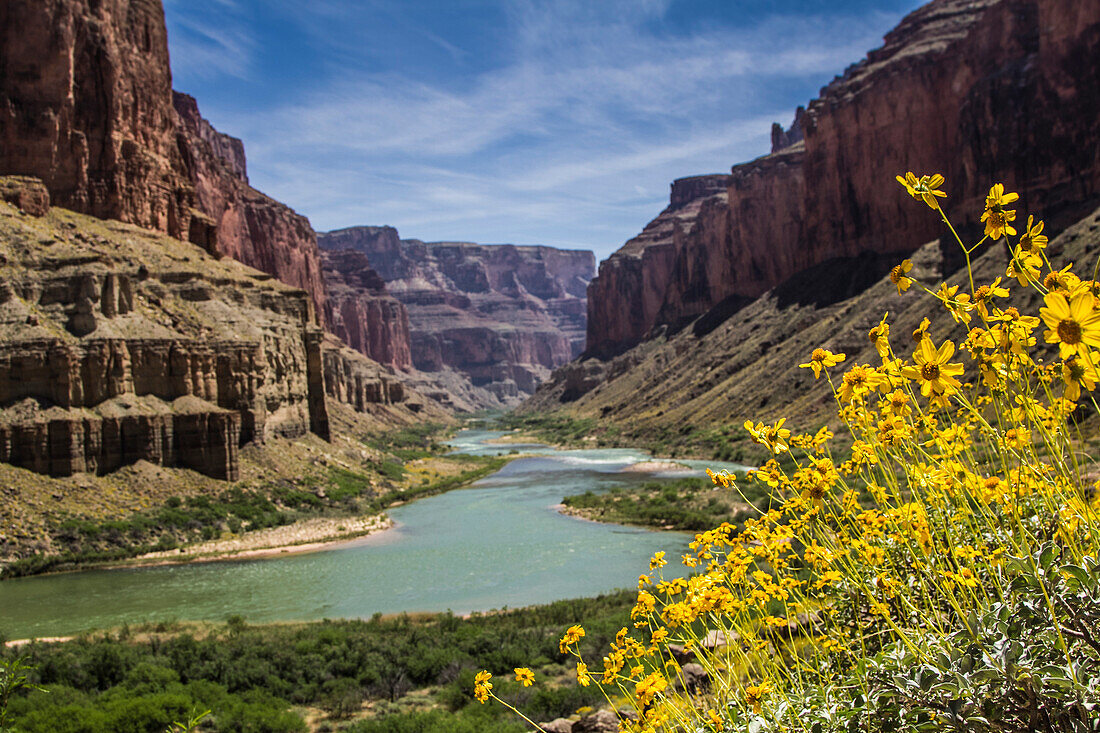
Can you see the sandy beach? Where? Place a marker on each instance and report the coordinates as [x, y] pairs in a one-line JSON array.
[[307, 536]]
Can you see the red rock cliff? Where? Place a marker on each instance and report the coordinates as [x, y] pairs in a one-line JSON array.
[[502, 315], [980, 90], [118, 344], [86, 105], [364, 314], [239, 221]]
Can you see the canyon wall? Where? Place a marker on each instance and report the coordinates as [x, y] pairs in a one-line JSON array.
[[119, 344], [238, 221], [979, 90], [364, 315], [501, 315], [86, 105]]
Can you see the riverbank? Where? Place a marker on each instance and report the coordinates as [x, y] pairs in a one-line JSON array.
[[684, 505], [376, 675], [287, 515], [310, 535]]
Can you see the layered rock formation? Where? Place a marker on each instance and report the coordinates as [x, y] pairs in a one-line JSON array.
[[118, 344], [364, 315], [238, 221], [86, 104], [501, 315], [626, 298], [979, 90], [689, 392]]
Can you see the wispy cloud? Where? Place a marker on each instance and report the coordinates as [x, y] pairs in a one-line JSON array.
[[570, 138], [210, 38]]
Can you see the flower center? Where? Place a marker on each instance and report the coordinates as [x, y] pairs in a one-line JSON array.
[[983, 292], [818, 355], [930, 372], [1069, 331], [896, 274]]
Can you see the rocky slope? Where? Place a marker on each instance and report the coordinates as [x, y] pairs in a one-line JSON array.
[[118, 345], [86, 104], [688, 393], [501, 317], [979, 90]]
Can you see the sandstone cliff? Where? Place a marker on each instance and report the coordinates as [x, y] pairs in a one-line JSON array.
[[689, 393], [238, 221], [86, 104], [979, 90], [364, 315], [502, 316], [118, 345]]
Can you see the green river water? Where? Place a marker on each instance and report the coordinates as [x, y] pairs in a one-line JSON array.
[[500, 543]]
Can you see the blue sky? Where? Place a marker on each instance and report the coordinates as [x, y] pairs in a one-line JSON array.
[[557, 122]]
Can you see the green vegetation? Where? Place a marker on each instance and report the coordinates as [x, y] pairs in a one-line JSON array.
[[410, 443], [396, 674], [337, 492], [691, 504], [555, 429], [730, 443]]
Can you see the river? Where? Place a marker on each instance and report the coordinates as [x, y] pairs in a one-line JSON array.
[[499, 543]]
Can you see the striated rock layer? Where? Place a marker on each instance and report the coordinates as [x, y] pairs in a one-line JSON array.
[[979, 90], [86, 105], [119, 345], [502, 315], [364, 315], [238, 221]]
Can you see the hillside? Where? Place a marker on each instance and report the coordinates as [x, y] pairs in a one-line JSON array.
[[703, 324], [123, 348]]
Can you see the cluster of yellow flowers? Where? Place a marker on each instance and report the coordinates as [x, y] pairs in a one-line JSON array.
[[906, 529]]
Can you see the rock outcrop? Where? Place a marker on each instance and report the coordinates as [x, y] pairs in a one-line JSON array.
[[235, 220], [86, 105], [118, 344], [979, 90], [364, 315], [627, 296], [502, 315]]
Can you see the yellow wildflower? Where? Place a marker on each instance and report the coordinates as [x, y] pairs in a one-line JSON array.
[[1033, 239], [899, 278], [1072, 324], [582, 674], [1062, 281], [996, 217], [649, 687], [754, 695], [1024, 267], [482, 686], [1078, 371], [658, 560], [932, 370], [572, 635], [525, 675], [985, 294], [925, 188], [880, 337], [774, 438], [821, 359], [921, 331], [858, 381]]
